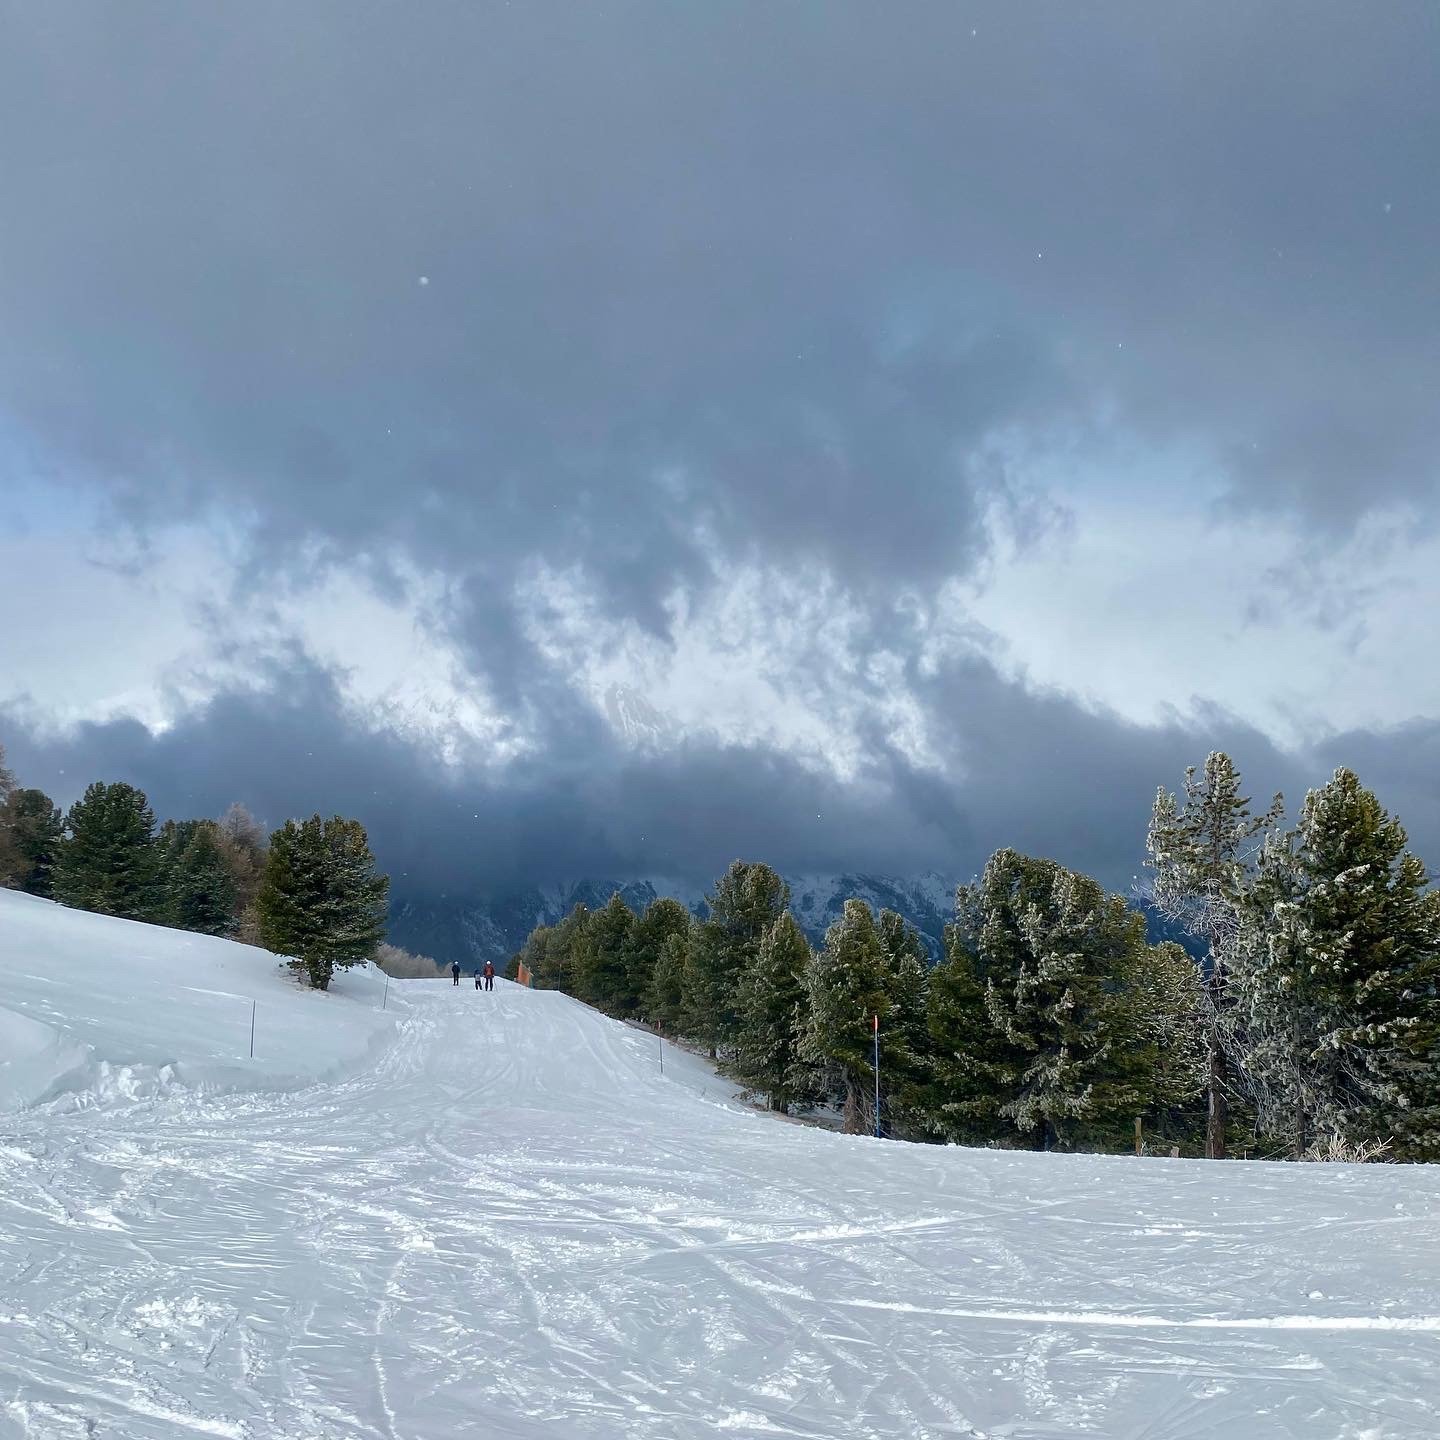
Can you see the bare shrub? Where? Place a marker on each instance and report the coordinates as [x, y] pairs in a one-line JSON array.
[[1337, 1150], [402, 965]]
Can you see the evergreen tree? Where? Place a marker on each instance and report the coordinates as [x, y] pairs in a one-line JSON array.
[[1203, 854], [110, 863], [1162, 1032], [707, 987], [321, 901], [604, 974], [1337, 981], [907, 1039], [1054, 953], [847, 988], [772, 1009], [969, 1058], [200, 883], [747, 901], [33, 828], [665, 997], [9, 854], [663, 918], [558, 966]]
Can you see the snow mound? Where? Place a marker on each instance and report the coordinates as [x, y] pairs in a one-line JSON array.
[[99, 1009]]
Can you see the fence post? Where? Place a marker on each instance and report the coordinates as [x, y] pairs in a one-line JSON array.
[[252, 1028], [1139, 1136], [385, 998]]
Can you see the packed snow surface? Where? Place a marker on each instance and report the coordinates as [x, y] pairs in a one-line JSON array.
[[476, 1214]]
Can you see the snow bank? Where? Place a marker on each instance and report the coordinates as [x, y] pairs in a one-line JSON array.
[[96, 1007], [513, 1223]]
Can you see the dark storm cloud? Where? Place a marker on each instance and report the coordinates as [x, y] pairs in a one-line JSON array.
[[1042, 773], [805, 257], [702, 283]]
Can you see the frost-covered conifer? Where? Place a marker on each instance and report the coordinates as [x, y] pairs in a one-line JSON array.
[[1202, 853], [848, 986], [1337, 980], [906, 1042], [1054, 954]]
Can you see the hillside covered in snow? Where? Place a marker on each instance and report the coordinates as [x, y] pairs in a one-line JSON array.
[[501, 1215]]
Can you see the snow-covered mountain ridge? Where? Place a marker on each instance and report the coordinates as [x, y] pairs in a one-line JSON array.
[[471, 929]]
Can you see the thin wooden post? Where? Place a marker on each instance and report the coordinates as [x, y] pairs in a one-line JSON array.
[[1139, 1135], [252, 1029]]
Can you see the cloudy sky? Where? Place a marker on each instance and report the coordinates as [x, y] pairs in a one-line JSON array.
[[607, 439]]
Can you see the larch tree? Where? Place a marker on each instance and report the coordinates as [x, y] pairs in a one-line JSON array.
[[243, 841], [34, 828]]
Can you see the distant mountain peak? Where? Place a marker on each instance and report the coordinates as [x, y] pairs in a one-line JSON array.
[[494, 927]]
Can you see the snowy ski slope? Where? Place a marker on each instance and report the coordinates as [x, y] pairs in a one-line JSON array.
[[490, 1215]]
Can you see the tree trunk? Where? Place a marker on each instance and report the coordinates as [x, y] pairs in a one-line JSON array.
[[1219, 1106]]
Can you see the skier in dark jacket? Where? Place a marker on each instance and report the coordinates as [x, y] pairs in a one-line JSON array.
[[489, 974], [455, 972]]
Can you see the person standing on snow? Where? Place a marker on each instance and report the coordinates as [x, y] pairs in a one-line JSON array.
[[489, 974], [455, 972], [477, 977]]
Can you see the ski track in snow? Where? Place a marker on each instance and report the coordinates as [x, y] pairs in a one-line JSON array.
[[512, 1226]]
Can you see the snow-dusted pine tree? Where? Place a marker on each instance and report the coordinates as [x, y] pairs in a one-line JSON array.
[[906, 1042], [746, 902], [847, 987], [772, 1016], [968, 1056], [1055, 954], [1203, 852], [1337, 979], [322, 901]]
